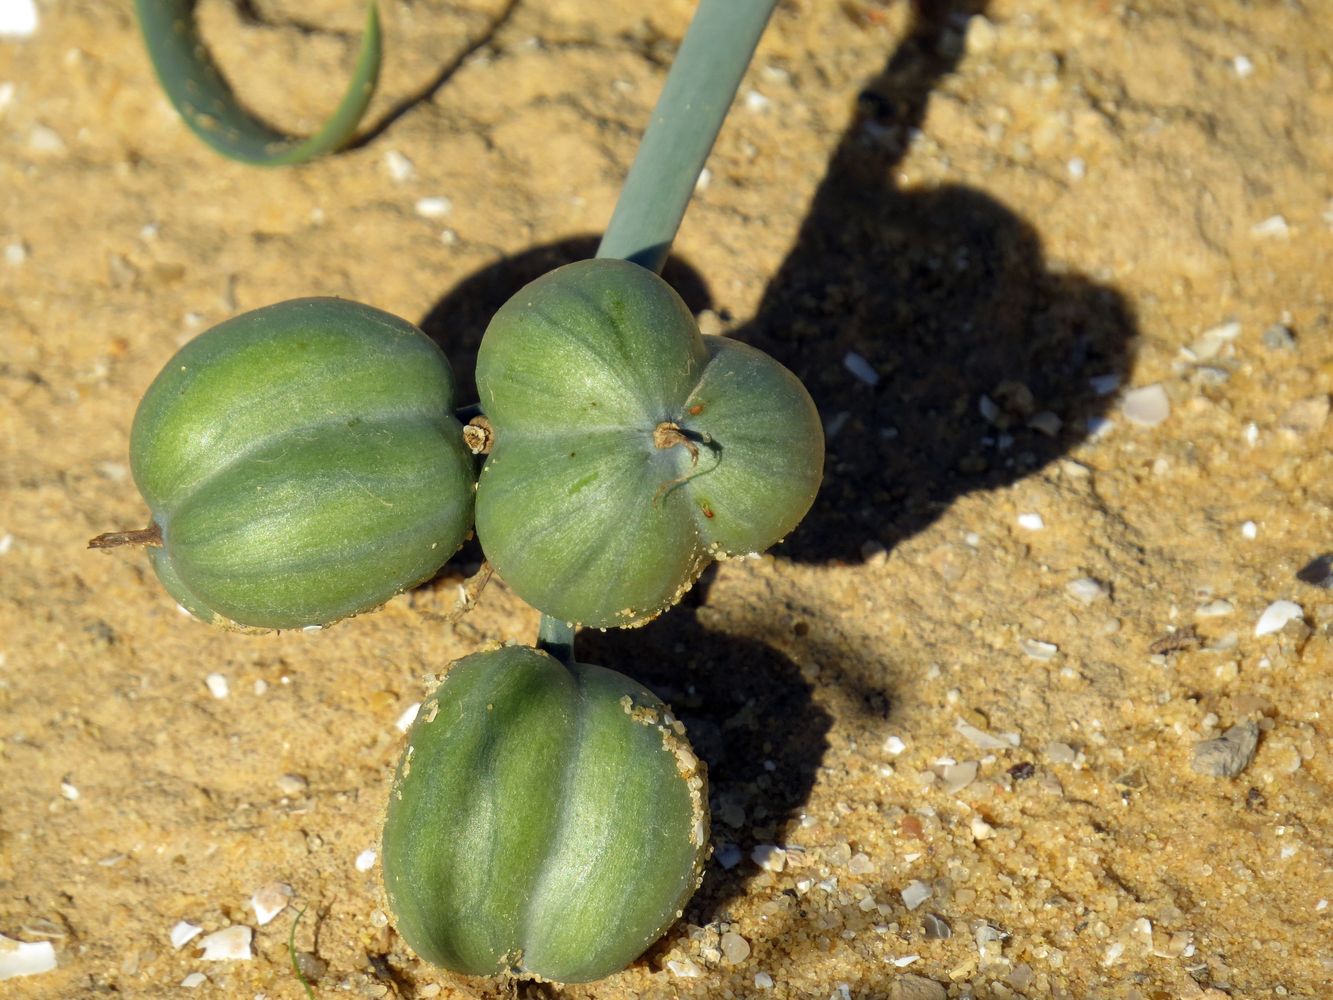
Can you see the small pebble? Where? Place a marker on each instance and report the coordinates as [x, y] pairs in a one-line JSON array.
[[293, 784], [763, 981], [183, 933], [1032, 522], [959, 776], [434, 208], [1061, 753], [936, 928], [915, 893], [735, 949], [912, 987], [893, 745], [860, 864], [684, 968], [1305, 416], [981, 830], [15, 253], [1076, 168], [1215, 609], [1318, 572], [1249, 530], [194, 980], [217, 685], [1229, 754], [231, 944], [705, 178], [728, 856], [1279, 337], [861, 368], [1242, 66], [769, 857], [365, 860], [1046, 422], [68, 790], [1276, 615], [1147, 406]]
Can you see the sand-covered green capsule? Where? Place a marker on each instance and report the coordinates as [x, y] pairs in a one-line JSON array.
[[545, 820], [302, 463], [629, 450]]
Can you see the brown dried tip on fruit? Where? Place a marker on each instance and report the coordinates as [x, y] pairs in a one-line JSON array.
[[151, 535], [479, 436]]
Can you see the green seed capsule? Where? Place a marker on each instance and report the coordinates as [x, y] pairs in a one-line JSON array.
[[629, 450], [545, 820], [302, 463]]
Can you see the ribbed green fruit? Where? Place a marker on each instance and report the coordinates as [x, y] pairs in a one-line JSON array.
[[546, 820], [629, 451], [302, 463]]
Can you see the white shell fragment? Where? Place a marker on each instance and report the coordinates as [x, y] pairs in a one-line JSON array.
[[984, 740], [769, 857], [1104, 385], [959, 776], [1212, 340], [894, 745], [1274, 225], [1215, 609], [400, 168], [684, 968], [365, 860], [915, 893], [1147, 406], [1085, 590], [434, 208], [24, 958], [183, 933], [861, 368], [231, 944], [217, 685], [1276, 615], [1032, 522], [194, 980], [1038, 650], [408, 717], [270, 900], [18, 19]]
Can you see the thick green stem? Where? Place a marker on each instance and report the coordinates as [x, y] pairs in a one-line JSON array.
[[695, 99], [557, 638], [698, 93]]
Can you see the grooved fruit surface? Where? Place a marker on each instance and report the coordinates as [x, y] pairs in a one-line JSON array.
[[545, 819], [304, 463], [579, 507]]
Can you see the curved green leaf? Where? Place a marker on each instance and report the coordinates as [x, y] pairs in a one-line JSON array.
[[203, 98]]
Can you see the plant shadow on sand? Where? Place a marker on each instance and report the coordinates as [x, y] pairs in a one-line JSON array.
[[943, 291], [981, 356]]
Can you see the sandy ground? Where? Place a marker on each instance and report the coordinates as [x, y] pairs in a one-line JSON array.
[[1021, 221]]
